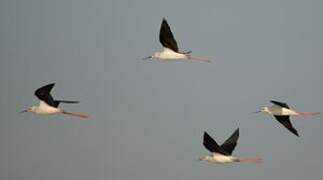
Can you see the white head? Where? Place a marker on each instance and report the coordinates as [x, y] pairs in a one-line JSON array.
[[206, 158], [156, 55], [30, 109], [263, 109]]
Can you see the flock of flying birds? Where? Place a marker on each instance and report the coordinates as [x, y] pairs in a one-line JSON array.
[[219, 154]]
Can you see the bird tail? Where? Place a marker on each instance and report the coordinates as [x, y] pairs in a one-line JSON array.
[[80, 115], [308, 113], [190, 57], [69, 102], [256, 160], [57, 102]]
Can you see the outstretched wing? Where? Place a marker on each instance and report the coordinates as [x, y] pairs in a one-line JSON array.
[[166, 37], [231, 142], [43, 93], [281, 104], [284, 120], [211, 145]]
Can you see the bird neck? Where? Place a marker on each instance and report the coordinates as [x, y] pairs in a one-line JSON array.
[[156, 55], [207, 158], [33, 108], [266, 110]]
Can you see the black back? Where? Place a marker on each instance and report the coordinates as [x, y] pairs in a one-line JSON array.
[[231, 142], [226, 148], [166, 37], [281, 104], [284, 120], [43, 94]]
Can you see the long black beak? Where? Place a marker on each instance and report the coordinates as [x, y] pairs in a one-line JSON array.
[[148, 57], [256, 112]]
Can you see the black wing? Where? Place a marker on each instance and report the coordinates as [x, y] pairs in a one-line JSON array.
[[43, 94], [211, 145], [166, 37], [57, 102], [281, 104], [231, 142], [284, 120]]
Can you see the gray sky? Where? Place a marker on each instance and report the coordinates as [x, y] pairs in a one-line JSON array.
[[148, 117]]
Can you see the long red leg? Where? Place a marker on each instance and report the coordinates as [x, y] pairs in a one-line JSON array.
[[198, 58], [76, 114], [251, 160], [308, 113]]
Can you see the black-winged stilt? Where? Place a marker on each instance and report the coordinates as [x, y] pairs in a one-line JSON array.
[[47, 105], [282, 112], [223, 154], [170, 48]]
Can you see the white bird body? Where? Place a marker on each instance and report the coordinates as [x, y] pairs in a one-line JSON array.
[[44, 108], [217, 158], [279, 111], [168, 54]]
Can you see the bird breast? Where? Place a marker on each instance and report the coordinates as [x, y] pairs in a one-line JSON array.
[[220, 158], [44, 108], [170, 54], [282, 111]]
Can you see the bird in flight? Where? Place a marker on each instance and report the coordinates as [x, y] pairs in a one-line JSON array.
[[281, 111], [170, 49], [47, 104], [223, 154]]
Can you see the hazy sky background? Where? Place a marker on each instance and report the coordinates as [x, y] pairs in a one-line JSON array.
[[148, 117]]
